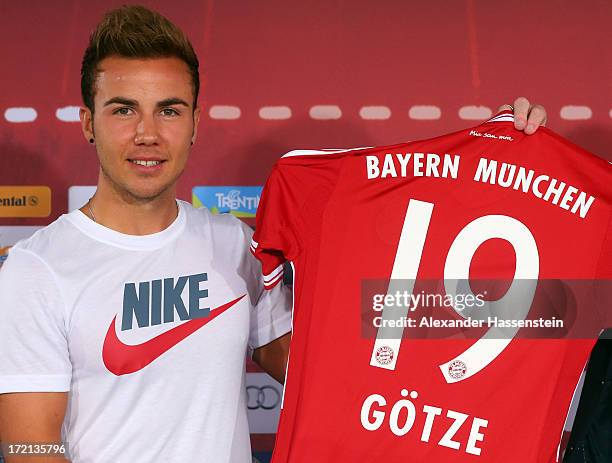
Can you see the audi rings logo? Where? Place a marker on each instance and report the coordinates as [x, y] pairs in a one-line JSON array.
[[262, 397]]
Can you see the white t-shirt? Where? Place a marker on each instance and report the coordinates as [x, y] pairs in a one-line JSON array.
[[148, 334]]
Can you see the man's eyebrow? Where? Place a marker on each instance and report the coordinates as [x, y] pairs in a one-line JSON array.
[[160, 104], [172, 102], [122, 101]]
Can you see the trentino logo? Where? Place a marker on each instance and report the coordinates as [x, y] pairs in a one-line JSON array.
[[241, 201]]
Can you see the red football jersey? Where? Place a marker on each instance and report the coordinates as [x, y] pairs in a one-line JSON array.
[[487, 202]]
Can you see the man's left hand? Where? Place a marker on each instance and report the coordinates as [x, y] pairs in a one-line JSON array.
[[527, 116]]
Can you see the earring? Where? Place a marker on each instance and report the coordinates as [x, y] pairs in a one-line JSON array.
[[91, 140]]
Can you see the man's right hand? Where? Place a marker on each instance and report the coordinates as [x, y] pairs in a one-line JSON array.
[[32, 417]]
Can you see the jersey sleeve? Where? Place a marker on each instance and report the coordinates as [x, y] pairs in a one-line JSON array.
[[33, 336], [270, 316], [274, 241]]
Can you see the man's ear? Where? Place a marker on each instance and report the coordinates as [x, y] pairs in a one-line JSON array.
[[86, 118]]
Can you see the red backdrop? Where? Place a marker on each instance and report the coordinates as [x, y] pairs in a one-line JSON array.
[[396, 54]]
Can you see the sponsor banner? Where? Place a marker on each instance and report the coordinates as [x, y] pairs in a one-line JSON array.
[[264, 396], [25, 201], [240, 201], [9, 235], [78, 196]]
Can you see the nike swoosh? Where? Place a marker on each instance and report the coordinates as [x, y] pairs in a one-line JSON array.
[[122, 359]]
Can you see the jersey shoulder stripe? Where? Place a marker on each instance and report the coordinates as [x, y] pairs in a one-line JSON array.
[[295, 153]]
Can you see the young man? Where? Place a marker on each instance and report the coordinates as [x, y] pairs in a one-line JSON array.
[[129, 321], [125, 324]]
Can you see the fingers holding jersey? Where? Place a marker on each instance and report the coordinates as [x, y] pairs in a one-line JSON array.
[[535, 119], [527, 116], [521, 110]]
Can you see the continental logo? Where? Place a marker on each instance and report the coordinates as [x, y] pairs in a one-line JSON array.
[[25, 201]]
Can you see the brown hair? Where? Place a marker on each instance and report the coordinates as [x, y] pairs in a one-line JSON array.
[[135, 32]]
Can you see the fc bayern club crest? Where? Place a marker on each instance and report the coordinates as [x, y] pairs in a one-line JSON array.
[[384, 355], [457, 369]]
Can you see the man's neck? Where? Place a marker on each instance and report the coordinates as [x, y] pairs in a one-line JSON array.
[[132, 217]]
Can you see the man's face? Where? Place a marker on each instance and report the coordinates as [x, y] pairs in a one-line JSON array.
[[143, 125]]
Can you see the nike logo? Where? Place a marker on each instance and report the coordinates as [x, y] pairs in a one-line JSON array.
[[122, 359]]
